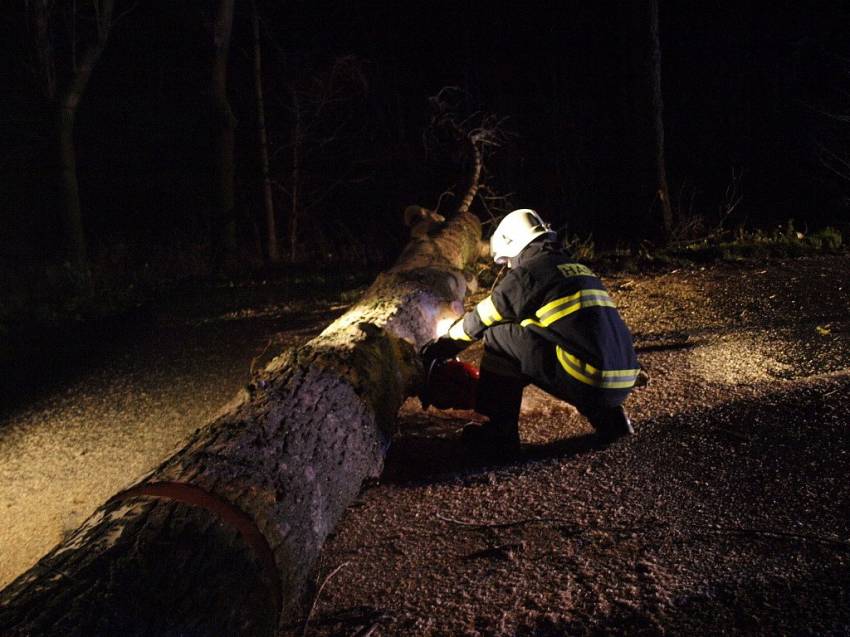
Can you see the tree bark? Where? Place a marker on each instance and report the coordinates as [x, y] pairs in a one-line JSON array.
[[474, 178], [223, 536], [262, 140]]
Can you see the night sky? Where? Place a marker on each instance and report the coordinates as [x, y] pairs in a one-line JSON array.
[[747, 87]]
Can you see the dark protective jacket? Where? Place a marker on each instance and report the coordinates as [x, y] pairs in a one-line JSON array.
[[547, 292]]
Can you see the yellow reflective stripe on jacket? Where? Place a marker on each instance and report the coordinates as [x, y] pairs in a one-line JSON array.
[[488, 312], [589, 375], [559, 308], [572, 298], [528, 322], [457, 333]]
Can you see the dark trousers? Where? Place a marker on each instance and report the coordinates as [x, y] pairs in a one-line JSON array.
[[515, 357]]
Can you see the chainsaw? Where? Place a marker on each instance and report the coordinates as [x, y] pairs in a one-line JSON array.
[[450, 384]]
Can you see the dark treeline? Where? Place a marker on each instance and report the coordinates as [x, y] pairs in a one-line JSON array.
[[753, 96]]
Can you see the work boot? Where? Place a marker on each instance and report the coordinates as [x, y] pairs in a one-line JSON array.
[[491, 438], [499, 398], [610, 424]]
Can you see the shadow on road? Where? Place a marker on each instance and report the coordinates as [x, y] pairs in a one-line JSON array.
[[429, 449], [732, 517], [43, 360]]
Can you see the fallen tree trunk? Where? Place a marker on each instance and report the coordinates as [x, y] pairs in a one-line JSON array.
[[222, 538]]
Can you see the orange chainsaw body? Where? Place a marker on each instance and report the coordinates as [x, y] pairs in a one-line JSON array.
[[451, 384]]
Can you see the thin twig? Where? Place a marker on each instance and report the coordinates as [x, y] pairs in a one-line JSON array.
[[318, 594], [805, 537], [446, 193], [733, 434], [492, 201], [259, 356], [498, 278], [368, 631], [718, 530], [124, 14], [501, 525], [502, 551]]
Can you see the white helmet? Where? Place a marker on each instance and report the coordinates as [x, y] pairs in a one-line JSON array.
[[517, 230]]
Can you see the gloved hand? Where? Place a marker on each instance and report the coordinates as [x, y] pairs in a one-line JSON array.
[[441, 349]]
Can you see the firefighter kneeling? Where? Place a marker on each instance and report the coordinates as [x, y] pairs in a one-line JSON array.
[[549, 322]]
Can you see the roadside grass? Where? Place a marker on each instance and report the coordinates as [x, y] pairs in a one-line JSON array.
[[41, 304], [723, 246], [787, 242], [55, 296], [738, 246]]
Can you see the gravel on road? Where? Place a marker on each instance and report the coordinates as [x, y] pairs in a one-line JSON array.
[[727, 512]]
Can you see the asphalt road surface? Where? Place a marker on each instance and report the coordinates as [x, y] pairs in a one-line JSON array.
[[127, 398]]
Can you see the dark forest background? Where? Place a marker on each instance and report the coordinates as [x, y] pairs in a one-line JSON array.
[[756, 121]]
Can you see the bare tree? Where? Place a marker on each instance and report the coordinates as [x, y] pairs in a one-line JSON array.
[[224, 223], [644, 168], [323, 108], [662, 191], [297, 143], [836, 163], [472, 137], [63, 62], [262, 140], [831, 145], [827, 128]]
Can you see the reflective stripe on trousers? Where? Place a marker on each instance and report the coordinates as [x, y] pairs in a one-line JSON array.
[[589, 375]]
